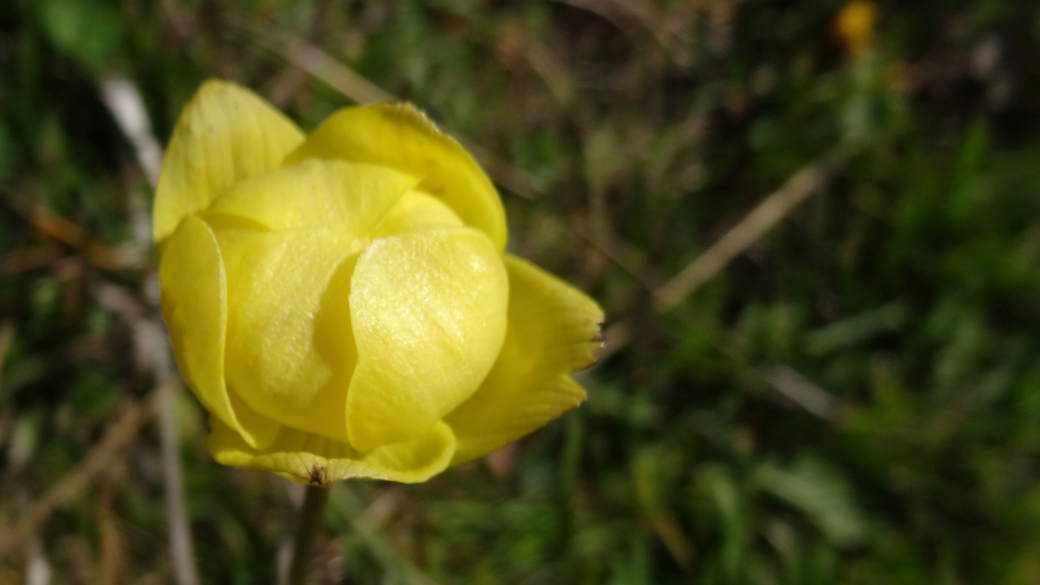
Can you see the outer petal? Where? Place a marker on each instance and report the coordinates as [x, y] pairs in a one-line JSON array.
[[290, 351], [344, 196], [225, 134], [429, 315], [553, 330], [307, 458], [400, 136], [194, 305]]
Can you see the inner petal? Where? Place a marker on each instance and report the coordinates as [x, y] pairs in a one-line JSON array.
[[416, 210], [348, 197], [428, 309], [290, 351]]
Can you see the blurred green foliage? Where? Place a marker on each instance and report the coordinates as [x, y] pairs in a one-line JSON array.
[[856, 399]]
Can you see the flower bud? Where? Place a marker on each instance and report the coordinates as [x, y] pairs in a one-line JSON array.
[[341, 303]]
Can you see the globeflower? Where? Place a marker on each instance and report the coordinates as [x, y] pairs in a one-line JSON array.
[[342, 304], [854, 25]]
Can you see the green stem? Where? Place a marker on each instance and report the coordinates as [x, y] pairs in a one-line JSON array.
[[310, 523]]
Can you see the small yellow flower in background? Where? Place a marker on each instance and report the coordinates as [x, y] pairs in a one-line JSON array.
[[854, 25], [342, 304]]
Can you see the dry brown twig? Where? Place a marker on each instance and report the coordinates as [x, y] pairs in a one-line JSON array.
[[774, 208], [58, 230], [119, 434], [340, 77], [26, 259], [737, 240], [44, 221]]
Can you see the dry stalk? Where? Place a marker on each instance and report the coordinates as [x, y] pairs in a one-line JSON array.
[[337, 75], [123, 99], [755, 224], [119, 434]]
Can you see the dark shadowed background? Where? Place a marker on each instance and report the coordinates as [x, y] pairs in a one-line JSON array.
[[839, 386]]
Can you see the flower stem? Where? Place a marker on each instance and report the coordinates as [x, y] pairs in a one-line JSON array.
[[310, 523]]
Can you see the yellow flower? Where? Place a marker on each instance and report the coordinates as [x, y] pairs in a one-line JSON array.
[[854, 25], [342, 304]]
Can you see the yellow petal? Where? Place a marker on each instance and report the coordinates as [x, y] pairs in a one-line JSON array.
[[343, 196], [400, 136], [194, 296], [429, 315], [415, 211], [290, 352], [224, 135], [553, 330], [308, 458]]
